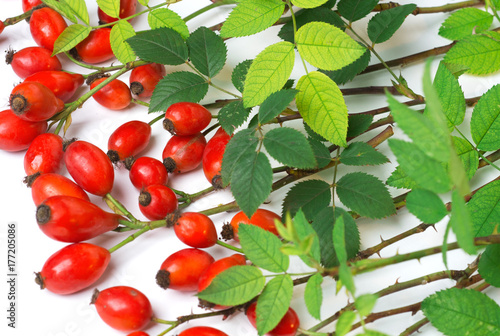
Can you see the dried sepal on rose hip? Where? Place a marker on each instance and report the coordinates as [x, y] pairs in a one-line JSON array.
[[33, 101], [186, 118], [31, 60], [157, 201]]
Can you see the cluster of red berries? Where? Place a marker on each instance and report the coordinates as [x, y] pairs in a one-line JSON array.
[[64, 210]]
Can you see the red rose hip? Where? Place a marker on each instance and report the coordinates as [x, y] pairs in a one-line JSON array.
[[51, 184], [183, 153], [115, 95], [128, 140], [95, 48], [186, 118], [157, 201], [31, 60], [33, 101], [44, 155], [144, 78], [196, 230], [16, 134], [262, 218], [212, 157], [45, 26], [287, 326], [146, 171], [62, 84], [202, 331]]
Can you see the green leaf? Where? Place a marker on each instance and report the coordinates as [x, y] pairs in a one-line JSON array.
[[426, 206], [458, 312], [322, 107], [461, 223], [177, 87], [362, 154], [365, 303], [110, 7], [311, 196], [464, 22], [400, 180], [323, 224], [354, 10], [368, 332], [290, 147], [252, 16], [313, 135], [273, 303], [484, 209], [70, 37], [489, 265], [275, 104], [164, 17], [326, 46], [239, 74], [308, 3], [384, 24], [485, 122], [366, 195], [313, 295], [207, 51], [62, 8], [262, 248], [241, 144], [339, 244], [425, 171], [321, 153], [232, 115], [251, 181], [303, 229], [467, 154], [268, 72], [347, 73], [450, 95], [358, 124], [121, 31], [429, 138], [480, 53], [345, 322], [162, 45], [234, 286], [76, 7], [144, 2]]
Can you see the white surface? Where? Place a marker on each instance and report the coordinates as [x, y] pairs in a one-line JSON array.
[[43, 313]]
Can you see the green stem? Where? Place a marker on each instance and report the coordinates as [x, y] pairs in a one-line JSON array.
[[119, 208], [140, 102], [160, 117], [429, 10], [232, 206], [129, 239], [15, 19], [209, 7], [161, 321], [230, 247]]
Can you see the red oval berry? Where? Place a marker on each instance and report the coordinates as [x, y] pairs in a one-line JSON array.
[[182, 269], [31, 60], [262, 218], [45, 26], [202, 331], [217, 267], [143, 79], [90, 167], [71, 219], [62, 84], [28, 4], [146, 171], [44, 155], [115, 95], [128, 140], [96, 47], [16, 134], [2, 26], [196, 230], [186, 118], [73, 268], [123, 308], [33, 101], [157, 201], [212, 157], [138, 333], [51, 184], [287, 326], [127, 8], [183, 153]]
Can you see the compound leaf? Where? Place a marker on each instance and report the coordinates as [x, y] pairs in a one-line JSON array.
[[484, 209], [232, 115]]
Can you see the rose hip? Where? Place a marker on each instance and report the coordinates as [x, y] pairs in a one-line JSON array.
[[51, 184], [202, 331], [196, 230], [144, 78], [287, 326], [212, 157], [33, 101], [127, 8], [31, 60], [183, 153], [28, 4], [96, 47], [157, 201], [146, 171], [45, 26], [44, 155], [186, 118], [62, 84], [115, 95], [17, 134], [262, 218], [128, 140]]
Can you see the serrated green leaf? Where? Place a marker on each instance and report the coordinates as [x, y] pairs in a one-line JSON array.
[[484, 208], [358, 124], [467, 154], [425, 171], [362, 154], [78, 8], [239, 74], [321, 153], [480, 53], [460, 312], [251, 181], [339, 244], [262, 248], [313, 295], [162, 45], [384, 24], [461, 223], [485, 122], [344, 323], [354, 10], [426, 206], [304, 229], [121, 31], [273, 303], [62, 8], [366, 195], [464, 22], [241, 144], [399, 179], [207, 51], [252, 16], [268, 72], [347, 73], [322, 107], [308, 3], [234, 286], [290, 147], [164, 17], [311, 196], [275, 104], [70, 37], [232, 115], [326, 46], [365, 303], [177, 87], [450, 95], [313, 135], [144, 2], [323, 224], [489, 265], [110, 7]]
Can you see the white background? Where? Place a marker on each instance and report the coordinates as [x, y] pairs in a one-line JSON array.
[[43, 313]]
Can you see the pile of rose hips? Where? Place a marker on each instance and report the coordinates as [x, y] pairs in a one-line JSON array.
[[64, 210]]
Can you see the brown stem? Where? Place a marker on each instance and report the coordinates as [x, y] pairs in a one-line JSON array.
[[430, 10]]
